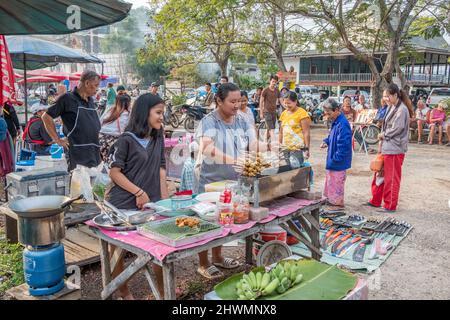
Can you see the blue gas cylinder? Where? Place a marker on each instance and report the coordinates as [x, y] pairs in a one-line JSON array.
[[44, 269]]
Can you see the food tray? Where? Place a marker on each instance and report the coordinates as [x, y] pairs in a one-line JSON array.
[[167, 232]]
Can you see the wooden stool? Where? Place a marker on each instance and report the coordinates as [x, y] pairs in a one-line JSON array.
[[21, 293]]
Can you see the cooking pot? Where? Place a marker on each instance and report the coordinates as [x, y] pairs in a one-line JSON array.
[[40, 219]]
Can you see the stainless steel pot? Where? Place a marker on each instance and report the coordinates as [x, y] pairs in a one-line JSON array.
[[40, 219]]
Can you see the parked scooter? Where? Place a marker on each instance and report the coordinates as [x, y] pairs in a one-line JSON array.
[[170, 118], [191, 116], [101, 106]]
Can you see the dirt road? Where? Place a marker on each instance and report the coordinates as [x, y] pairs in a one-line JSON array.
[[418, 269]]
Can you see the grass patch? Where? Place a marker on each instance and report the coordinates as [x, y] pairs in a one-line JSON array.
[[11, 264]]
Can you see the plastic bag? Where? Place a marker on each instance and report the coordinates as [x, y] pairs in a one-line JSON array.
[[101, 182], [81, 182]]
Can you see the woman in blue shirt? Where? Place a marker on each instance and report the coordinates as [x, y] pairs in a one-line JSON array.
[[339, 155]]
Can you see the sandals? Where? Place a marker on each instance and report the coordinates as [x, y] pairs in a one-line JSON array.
[[227, 263], [210, 273]]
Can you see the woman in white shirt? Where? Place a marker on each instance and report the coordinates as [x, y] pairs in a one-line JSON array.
[[245, 111], [113, 123]]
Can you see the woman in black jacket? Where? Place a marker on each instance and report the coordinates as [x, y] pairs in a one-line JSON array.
[[10, 115]]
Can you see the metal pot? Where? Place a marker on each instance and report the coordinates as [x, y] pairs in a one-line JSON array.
[[40, 219]]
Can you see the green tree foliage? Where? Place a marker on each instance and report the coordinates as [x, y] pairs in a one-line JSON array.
[[366, 27], [149, 67], [124, 37], [191, 30]]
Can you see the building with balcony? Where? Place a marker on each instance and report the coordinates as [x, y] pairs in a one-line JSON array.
[[428, 66]]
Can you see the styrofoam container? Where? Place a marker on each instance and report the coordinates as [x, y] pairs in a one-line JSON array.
[[43, 162]]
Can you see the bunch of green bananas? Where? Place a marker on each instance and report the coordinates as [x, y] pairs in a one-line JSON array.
[[288, 275], [252, 285]]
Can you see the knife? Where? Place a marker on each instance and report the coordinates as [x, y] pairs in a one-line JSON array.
[[325, 237], [333, 237], [339, 243], [343, 249]]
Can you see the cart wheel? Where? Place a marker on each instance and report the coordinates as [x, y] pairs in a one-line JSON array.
[[272, 252]]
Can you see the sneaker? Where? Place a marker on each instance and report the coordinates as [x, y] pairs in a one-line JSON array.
[[420, 142], [448, 144], [368, 204], [384, 210]]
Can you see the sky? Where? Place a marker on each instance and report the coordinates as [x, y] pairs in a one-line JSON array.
[[138, 3]]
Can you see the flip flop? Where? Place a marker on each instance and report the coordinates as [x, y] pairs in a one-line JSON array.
[[210, 272], [227, 263]]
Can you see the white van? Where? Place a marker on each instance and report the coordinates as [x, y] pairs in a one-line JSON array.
[[438, 94]]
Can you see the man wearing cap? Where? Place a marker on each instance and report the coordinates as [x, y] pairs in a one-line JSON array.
[[35, 134], [154, 89], [81, 124]]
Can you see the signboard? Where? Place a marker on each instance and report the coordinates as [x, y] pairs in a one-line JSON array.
[[287, 76]]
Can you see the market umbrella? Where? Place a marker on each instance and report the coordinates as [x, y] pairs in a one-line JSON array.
[[39, 79], [25, 52], [19, 17]]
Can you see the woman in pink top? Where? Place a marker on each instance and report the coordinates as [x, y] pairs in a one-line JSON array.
[[437, 119]]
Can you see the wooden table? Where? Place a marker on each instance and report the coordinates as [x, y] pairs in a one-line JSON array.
[[307, 216]]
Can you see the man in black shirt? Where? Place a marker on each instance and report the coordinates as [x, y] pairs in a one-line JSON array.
[[35, 134], [81, 122]]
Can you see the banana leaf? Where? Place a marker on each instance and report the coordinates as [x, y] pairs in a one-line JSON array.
[[320, 282], [226, 290]]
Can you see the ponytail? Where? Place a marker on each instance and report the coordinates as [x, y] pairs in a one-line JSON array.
[[407, 101], [401, 94]]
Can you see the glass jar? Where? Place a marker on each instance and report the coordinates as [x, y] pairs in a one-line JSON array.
[[225, 214], [241, 211]]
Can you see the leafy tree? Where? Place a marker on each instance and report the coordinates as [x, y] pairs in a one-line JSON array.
[[365, 28], [191, 30], [149, 67]]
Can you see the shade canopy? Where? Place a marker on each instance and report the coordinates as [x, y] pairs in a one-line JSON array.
[[19, 17], [39, 79], [38, 52]]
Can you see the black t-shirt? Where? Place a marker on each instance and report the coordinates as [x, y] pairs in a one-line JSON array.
[[66, 107], [37, 131], [140, 165], [81, 126]]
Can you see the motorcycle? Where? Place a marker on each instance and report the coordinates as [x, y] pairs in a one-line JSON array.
[[191, 115], [170, 118], [101, 106]]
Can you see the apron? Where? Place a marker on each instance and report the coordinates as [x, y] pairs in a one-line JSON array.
[[84, 146]]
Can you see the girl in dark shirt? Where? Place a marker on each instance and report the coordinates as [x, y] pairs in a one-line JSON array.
[[138, 164]]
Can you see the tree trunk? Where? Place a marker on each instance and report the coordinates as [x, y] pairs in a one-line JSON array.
[[378, 86], [223, 64], [280, 61]]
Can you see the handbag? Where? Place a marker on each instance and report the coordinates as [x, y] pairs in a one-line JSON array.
[[376, 165]]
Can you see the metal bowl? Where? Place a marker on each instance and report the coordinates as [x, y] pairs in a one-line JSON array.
[[38, 207]]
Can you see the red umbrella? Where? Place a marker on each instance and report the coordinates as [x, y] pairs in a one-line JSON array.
[[53, 74], [39, 79], [7, 90]]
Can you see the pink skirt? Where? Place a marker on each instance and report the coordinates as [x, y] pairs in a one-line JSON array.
[[334, 187]]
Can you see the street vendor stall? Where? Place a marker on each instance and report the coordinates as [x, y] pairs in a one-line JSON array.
[[282, 212]]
